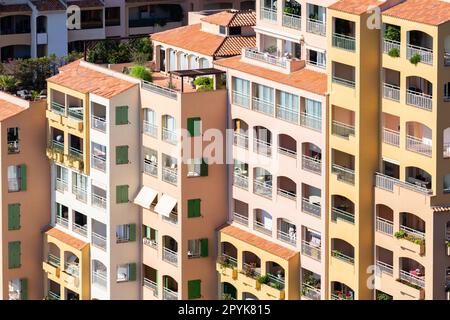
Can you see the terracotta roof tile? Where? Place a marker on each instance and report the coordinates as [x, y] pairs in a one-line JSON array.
[[86, 3], [84, 80], [258, 242], [8, 109], [64, 237], [48, 5], [441, 208], [8, 8], [432, 12], [304, 79], [355, 6], [232, 18], [232, 46]]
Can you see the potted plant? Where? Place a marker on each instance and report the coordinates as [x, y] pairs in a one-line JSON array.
[[263, 279], [394, 53], [400, 234], [415, 59]]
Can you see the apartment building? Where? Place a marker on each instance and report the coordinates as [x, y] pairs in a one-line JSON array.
[[25, 202], [36, 28], [90, 248]]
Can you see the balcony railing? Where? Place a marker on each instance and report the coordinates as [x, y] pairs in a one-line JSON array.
[[310, 121], [268, 14], [259, 226], [292, 21], [79, 229], [170, 175], [286, 237], [99, 279], [262, 188], [310, 292], [420, 100], [240, 99], [98, 163], [418, 145], [169, 136], [150, 167], [99, 241], [172, 218], [80, 194], [413, 232], [265, 57], [426, 55], [344, 42], [341, 256], [388, 45], [170, 256], [152, 243], [150, 129], [167, 92], [61, 185], [169, 294], [98, 123], [342, 215], [385, 268], [58, 108], [343, 129], [320, 64], [262, 147], [311, 164], [54, 260], [287, 114], [231, 261], [240, 180], [72, 269], [76, 113], [311, 208], [446, 150], [58, 146], [391, 137], [152, 285], [316, 27], [344, 82], [310, 250], [76, 153], [64, 222], [263, 106], [241, 219], [391, 92], [344, 174], [53, 296], [385, 226], [287, 194], [387, 183], [98, 201], [287, 152], [277, 281], [240, 140], [412, 279]]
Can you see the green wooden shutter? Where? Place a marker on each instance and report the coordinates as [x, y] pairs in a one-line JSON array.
[[194, 208], [204, 168], [24, 289], [147, 232], [132, 232], [23, 177], [194, 289], [121, 154], [13, 254], [193, 126], [204, 247], [132, 272], [14, 216], [121, 115], [121, 194]]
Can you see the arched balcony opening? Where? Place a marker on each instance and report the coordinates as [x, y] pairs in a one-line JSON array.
[[170, 288], [249, 296], [412, 273], [311, 243], [311, 157], [240, 175], [71, 264], [229, 292], [262, 222], [251, 264], [342, 250], [342, 208], [182, 61], [262, 141], [340, 291], [418, 177], [419, 44], [240, 133], [275, 275], [287, 145], [170, 250], [419, 93], [385, 219], [99, 274], [287, 188], [287, 231], [262, 182], [411, 227], [54, 254], [172, 60], [228, 255], [193, 61], [419, 138], [343, 166], [203, 63], [311, 201]]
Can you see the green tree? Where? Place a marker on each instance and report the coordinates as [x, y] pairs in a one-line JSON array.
[[8, 83]]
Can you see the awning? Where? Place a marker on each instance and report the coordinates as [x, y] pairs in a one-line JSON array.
[[145, 197], [165, 205]]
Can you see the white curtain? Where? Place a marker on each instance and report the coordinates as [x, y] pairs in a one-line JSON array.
[[13, 178], [169, 123], [313, 108], [241, 86], [264, 93], [288, 101]]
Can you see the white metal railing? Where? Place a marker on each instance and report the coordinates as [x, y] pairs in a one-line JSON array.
[[385, 226], [287, 152], [170, 256], [167, 92], [388, 45], [292, 21], [310, 292], [240, 99], [98, 163], [263, 106], [150, 242], [241, 219], [312, 208], [268, 14], [317, 63], [310, 250], [413, 279], [150, 167], [169, 136], [240, 139], [150, 128], [413, 232], [391, 137], [311, 164], [79, 229], [344, 42], [62, 221], [240, 180], [152, 285], [72, 269], [98, 123], [169, 294], [61, 185], [343, 129], [287, 114], [287, 194], [98, 201], [286, 237], [58, 108], [80, 194], [262, 147], [262, 188], [340, 214], [316, 26], [259, 226], [420, 100], [391, 92], [418, 145], [172, 218], [170, 175], [99, 279], [310, 121], [446, 150], [385, 182], [254, 54], [385, 268], [343, 173], [426, 55], [344, 82], [99, 241]]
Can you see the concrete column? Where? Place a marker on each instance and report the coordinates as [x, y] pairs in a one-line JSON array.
[[33, 49]]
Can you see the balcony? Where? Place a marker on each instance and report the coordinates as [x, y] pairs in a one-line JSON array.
[[170, 256], [170, 175], [58, 108], [287, 114], [385, 226], [426, 55], [166, 92], [99, 241], [311, 164], [391, 92], [344, 174], [241, 219], [240, 139], [262, 188], [344, 82], [172, 218], [64, 222], [254, 54], [98, 162], [391, 137], [98, 201], [61, 185], [80, 194], [153, 286], [385, 268], [311, 207], [263, 106], [259, 226], [292, 21], [98, 123], [387, 183], [311, 250], [420, 100], [169, 294], [316, 26], [152, 243], [310, 121], [343, 130], [390, 45], [418, 145], [310, 292], [76, 113], [151, 168], [53, 296], [99, 279], [240, 99], [412, 279], [344, 42], [169, 136], [262, 147], [268, 14], [339, 214], [150, 129], [81, 230], [240, 180], [341, 256]]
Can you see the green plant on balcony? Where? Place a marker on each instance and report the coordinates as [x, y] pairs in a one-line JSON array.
[[263, 279], [276, 285], [394, 53], [249, 270], [400, 234], [415, 59], [271, 49], [314, 16], [383, 296], [224, 263], [204, 84], [419, 241], [392, 33], [141, 72], [227, 296], [336, 253]]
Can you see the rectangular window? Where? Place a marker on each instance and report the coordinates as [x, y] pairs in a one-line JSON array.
[[126, 272], [241, 92], [14, 216], [125, 233], [112, 16], [18, 289], [198, 248], [13, 254], [122, 155], [17, 178], [151, 234], [62, 178], [79, 186], [264, 93], [194, 289], [122, 194], [13, 140], [194, 126], [222, 30], [98, 156], [194, 208], [197, 167], [121, 115]]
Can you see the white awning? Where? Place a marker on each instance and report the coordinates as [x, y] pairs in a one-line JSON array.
[[165, 205], [145, 197], [315, 49]]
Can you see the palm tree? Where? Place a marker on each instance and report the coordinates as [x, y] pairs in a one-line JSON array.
[[8, 83]]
